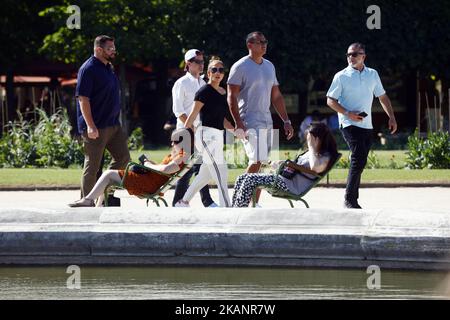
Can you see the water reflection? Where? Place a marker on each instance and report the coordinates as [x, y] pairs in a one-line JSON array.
[[217, 283]]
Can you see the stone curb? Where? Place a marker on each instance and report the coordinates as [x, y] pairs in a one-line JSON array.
[[239, 237]]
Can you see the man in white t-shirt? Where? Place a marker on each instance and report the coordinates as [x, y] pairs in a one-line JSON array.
[[252, 89], [183, 93]]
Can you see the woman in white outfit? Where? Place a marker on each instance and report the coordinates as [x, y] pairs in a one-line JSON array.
[[211, 103]]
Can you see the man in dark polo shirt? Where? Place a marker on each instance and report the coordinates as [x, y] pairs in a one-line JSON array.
[[98, 111]]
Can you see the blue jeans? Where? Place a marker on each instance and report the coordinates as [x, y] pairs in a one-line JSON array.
[[183, 185]]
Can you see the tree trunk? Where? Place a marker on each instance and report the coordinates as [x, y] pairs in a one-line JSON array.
[[124, 98], [10, 96], [161, 67]]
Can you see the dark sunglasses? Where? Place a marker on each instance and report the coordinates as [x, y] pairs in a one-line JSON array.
[[109, 48], [261, 42], [353, 54], [198, 61], [214, 70]]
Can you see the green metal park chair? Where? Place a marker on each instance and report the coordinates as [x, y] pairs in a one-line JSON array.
[[158, 195], [278, 193]]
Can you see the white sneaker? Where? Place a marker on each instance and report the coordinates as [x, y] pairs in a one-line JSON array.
[[258, 205], [213, 205], [181, 204]]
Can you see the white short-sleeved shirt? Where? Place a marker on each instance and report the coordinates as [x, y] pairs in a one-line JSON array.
[[355, 90], [183, 93], [256, 82]]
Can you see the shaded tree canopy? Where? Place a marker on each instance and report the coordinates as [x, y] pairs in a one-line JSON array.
[[306, 38], [22, 30], [144, 30]]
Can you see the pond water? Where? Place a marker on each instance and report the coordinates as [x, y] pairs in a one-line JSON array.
[[218, 283]]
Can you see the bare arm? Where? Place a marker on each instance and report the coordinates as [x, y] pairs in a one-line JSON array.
[[280, 107], [387, 106], [316, 162], [232, 98], [85, 107], [336, 106], [275, 164], [189, 122], [169, 168], [227, 124], [183, 117], [300, 168], [317, 165]]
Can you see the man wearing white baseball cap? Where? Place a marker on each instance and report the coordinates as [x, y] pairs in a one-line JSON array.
[[183, 94]]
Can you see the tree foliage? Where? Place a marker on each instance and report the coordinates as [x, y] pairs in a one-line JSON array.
[[310, 38], [144, 30], [307, 38], [22, 30]]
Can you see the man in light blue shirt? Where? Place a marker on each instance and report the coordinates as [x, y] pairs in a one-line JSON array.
[[351, 95]]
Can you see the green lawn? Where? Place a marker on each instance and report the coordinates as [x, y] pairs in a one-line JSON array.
[[71, 177], [395, 176], [383, 155]]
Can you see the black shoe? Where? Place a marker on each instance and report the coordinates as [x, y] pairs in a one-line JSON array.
[[351, 205], [112, 201]]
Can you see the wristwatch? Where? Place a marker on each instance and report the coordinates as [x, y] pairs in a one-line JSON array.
[[346, 112], [287, 121]]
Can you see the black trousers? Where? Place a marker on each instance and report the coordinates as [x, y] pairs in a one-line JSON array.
[[359, 141], [183, 185]]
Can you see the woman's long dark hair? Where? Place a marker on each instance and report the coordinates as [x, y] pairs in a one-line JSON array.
[[327, 141]]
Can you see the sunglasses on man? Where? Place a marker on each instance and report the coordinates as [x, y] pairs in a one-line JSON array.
[[214, 70], [353, 54], [198, 61], [261, 42]]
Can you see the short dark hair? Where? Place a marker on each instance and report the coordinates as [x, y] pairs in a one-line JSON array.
[[101, 40], [358, 45], [251, 36]]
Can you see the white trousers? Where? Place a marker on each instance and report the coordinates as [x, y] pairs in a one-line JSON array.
[[209, 141]]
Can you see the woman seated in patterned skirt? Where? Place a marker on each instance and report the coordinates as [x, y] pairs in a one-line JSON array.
[[321, 149]]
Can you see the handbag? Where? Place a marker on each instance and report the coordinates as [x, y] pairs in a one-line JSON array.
[[137, 169], [288, 172]]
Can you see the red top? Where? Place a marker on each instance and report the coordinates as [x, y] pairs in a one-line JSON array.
[[149, 182]]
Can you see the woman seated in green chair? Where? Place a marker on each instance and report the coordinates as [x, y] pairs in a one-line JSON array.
[[138, 183], [321, 150]]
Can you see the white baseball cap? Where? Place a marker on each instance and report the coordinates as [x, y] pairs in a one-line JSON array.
[[191, 54]]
